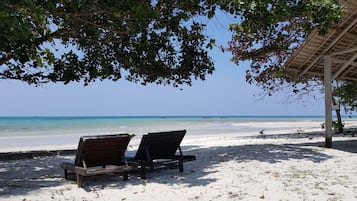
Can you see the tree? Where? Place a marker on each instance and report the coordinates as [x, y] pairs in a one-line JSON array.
[[149, 41], [270, 30], [347, 96], [143, 41]]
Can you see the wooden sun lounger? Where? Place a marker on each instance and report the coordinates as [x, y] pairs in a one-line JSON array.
[[96, 155], [159, 149]]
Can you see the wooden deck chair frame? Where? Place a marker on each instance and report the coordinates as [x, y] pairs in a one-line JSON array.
[[160, 149], [101, 154]]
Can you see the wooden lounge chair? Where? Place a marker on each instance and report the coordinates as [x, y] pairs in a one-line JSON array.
[[159, 149], [97, 155]]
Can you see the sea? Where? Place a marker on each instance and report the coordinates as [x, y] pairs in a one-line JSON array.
[[37, 131]]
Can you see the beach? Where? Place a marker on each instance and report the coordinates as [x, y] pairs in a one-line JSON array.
[[288, 163]]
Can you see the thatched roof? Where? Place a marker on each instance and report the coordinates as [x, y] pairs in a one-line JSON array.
[[340, 42]]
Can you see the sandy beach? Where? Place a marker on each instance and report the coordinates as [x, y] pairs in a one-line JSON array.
[[278, 165]]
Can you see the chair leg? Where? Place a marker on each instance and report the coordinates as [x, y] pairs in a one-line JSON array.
[[125, 176], [181, 166], [65, 174], [143, 171], [79, 180]]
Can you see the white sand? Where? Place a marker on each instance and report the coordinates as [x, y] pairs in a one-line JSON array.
[[275, 166]]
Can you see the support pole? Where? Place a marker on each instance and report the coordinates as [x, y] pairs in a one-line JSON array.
[[328, 101]]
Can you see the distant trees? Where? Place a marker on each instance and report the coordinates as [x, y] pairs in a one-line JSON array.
[[346, 93], [159, 42], [344, 96]]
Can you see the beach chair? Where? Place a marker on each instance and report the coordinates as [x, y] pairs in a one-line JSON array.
[[96, 155], [160, 149]]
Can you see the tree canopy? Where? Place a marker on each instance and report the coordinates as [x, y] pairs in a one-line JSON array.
[[145, 41], [150, 41], [270, 30]]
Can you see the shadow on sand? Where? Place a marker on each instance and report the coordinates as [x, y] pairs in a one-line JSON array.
[[341, 145], [19, 177]]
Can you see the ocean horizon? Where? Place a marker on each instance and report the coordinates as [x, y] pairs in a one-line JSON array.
[[39, 130]]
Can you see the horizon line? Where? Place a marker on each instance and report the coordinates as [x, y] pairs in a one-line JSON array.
[[170, 116]]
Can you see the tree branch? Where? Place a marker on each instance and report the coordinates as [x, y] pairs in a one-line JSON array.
[[5, 58], [82, 14]]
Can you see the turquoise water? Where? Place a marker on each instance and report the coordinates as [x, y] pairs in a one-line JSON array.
[[33, 131], [34, 126]]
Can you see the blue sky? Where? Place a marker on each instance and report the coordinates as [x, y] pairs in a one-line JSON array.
[[223, 93]]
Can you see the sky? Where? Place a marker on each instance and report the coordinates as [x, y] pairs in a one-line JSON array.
[[224, 93]]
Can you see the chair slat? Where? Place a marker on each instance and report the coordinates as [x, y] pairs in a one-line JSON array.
[[99, 151]]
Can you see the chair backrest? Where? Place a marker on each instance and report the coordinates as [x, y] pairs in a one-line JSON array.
[[102, 150], [161, 145]]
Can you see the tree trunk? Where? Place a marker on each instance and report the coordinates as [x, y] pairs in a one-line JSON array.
[[338, 115]]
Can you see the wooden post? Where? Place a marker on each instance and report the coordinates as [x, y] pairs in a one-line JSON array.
[[328, 101]]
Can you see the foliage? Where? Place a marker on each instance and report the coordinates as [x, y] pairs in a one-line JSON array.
[[336, 125], [346, 93], [150, 41], [74, 40], [269, 30]]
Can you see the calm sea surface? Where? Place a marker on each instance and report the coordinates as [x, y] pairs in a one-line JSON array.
[[14, 131], [37, 126]]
